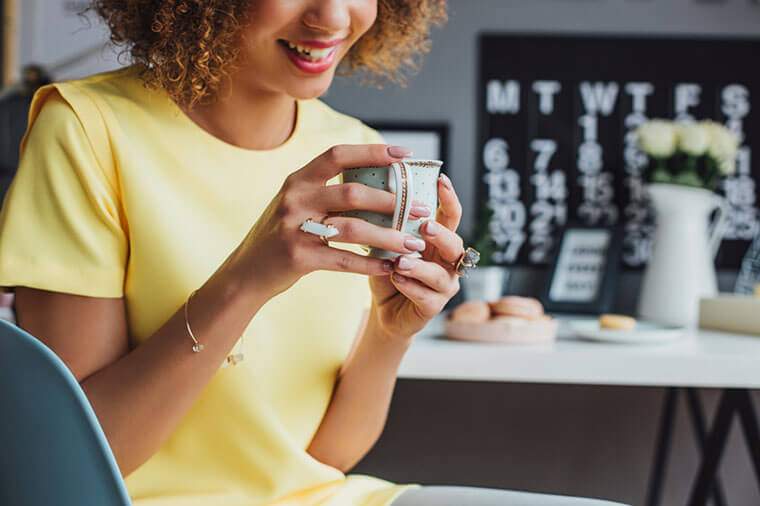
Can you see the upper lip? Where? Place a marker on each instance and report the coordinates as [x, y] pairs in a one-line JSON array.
[[318, 44]]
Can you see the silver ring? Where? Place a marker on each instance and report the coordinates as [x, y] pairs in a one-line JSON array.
[[321, 230], [469, 260]]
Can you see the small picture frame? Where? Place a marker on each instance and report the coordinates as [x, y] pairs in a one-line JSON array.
[[428, 141], [584, 271]]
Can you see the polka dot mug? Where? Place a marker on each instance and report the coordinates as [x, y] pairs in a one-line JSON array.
[[411, 181]]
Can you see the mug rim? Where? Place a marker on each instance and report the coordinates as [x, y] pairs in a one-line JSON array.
[[422, 162]]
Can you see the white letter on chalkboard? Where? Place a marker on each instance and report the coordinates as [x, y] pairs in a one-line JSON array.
[[599, 97], [547, 90], [496, 154], [639, 92], [503, 98], [545, 149], [687, 96], [735, 101]]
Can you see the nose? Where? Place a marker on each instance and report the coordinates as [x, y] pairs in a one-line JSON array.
[[328, 16]]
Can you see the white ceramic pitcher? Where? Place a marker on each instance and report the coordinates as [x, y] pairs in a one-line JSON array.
[[681, 269]]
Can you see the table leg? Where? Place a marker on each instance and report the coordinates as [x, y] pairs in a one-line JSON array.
[[714, 446], [748, 418], [664, 434], [697, 413]]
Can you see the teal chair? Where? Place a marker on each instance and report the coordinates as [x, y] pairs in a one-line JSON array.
[[52, 449]]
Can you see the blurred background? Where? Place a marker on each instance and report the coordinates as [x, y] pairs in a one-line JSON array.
[[581, 440]]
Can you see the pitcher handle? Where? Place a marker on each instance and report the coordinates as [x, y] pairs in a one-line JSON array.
[[402, 183], [719, 225]]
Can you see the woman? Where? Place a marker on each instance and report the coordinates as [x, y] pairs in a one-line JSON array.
[[154, 233]]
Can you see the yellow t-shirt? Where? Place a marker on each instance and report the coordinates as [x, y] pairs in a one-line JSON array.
[[120, 194]]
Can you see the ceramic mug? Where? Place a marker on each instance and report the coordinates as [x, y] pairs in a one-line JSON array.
[[411, 181]]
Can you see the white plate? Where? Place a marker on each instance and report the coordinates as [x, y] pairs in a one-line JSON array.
[[644, 333]]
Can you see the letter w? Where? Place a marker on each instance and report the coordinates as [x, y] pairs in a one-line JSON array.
[[599, 97]]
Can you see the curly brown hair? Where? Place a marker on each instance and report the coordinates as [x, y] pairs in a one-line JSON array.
[[188, 47]]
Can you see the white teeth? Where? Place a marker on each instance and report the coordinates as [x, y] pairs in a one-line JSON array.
[[320, 53], [312, 54]]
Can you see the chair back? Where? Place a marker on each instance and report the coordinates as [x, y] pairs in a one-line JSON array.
[[52, 448]]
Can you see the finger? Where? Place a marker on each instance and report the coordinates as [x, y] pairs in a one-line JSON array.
[[338, 260], [430, 274], [355, 196], [427, 302], [450, 210], [419, 211], [348, 156], [447, 242], [358, 231]]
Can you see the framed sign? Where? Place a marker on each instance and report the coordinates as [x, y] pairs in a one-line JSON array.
[[584, 272], [557, 144], [426, 140]]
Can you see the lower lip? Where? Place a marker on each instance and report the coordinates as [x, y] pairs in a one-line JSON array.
[[311, 67]]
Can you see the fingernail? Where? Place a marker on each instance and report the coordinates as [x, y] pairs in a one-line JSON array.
[[398, 278], [404, 263], [422, 211], [387, 266], [432, 228], [446, 181], [399, 151], [414, 244]]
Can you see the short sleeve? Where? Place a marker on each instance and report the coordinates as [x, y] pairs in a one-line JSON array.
[[372, 136], [62, 228]]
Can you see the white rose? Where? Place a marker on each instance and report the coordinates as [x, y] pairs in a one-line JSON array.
[[658, 138], [693, 139], [727, 167], [724, 144]]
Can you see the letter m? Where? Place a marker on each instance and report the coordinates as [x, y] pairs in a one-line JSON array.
[[503, 98]]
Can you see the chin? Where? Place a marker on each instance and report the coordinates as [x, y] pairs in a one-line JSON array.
[[305, 90]]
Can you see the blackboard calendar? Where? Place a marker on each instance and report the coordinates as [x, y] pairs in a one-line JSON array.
[[557, 144]]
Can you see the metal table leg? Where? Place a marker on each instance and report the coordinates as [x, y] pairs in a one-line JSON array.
[[748, 419], [714, 446], [697, 413], [662, 450]]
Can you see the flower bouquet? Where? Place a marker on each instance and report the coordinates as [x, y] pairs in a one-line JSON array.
[[687, 161], [690, 154]]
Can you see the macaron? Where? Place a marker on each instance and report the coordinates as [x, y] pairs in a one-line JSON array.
[[473, 311], [520, 307], [616, 322]]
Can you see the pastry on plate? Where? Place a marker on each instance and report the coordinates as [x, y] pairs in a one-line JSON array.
[[473, 311], [506, 330], [616, 322], [520, 307]]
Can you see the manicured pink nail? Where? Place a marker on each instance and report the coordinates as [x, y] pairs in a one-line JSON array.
[[421, 211], [432, 228], [404, 263], [446, 181], [399, 151], [414, 244]]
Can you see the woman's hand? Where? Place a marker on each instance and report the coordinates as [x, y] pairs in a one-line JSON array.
[[276, 253], [419, 288]]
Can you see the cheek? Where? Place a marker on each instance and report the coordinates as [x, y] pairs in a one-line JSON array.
[[364, 15]]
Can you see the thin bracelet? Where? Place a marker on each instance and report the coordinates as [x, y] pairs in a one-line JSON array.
[[197, 347], [233, 359]]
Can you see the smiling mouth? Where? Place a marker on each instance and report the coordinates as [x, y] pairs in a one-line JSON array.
[[311, 54]]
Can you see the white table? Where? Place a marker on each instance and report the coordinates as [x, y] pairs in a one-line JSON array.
[[701, 359]]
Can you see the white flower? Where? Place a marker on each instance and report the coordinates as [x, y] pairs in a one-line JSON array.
[[693, 139], [727, 167], [658, 138], [724, 145]]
